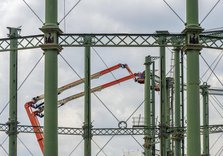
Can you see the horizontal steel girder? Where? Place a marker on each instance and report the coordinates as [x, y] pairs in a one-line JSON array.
[[113, 40], [109, 131]]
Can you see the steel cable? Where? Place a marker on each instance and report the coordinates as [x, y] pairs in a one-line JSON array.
[[174, 12], [106, 106], [137, 141], [76, 147], [212, 64], [219, 151], [215, 141], [211, 70], [210, 12], [99, 147], [217, 101], [93, 93], [1, 145], [23, 82], [64, 7], [216, 108], [25, 146], [215, 67], [135, 111], [70, 11], [103, 62], [105, 145], [33, 11]]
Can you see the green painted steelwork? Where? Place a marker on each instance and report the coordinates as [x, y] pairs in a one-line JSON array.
[[176, 137], [192, 13], [12, 132], [51, 42], [112, 40], [213, 129], [205, 95], [153, 113], [51, 50], [147, 107], [87, 98], [162, 103], [192, 50], [50, 108], [182, 99], [163, 145], [169, 86], [193, 104]]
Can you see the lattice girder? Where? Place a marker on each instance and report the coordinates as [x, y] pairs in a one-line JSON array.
[[113, 40]]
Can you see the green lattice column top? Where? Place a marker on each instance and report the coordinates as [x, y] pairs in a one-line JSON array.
[[51, 33], [192, 40], [204, 88]]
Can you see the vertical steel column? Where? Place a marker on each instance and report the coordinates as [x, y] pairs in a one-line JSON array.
[[163, 127], [12, 132], [147, 107], [51, 50], [169, 86], [177, 138], [153, 110], [192, 49], [163, 101], [182, 99], [87, 99], [204, 88]]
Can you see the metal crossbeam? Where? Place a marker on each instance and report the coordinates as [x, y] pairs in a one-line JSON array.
[[216, 33], [119, 40], [215, 129], [113, 40], [107, 131], [213, 42], [121, 131], [25, 42]]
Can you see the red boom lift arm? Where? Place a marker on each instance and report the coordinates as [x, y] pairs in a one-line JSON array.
[[35, 110]]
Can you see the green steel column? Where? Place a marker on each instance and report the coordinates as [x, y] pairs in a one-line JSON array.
[[182, 100], [153, 110], [50, 108], [177, 139], [163, 101], [204, 88], [87, 103], [51, 50], [12, 132], [163, 149], [169, 85], [192, 13], [147, 107], [163, 145], [193, 106], [192, 49]]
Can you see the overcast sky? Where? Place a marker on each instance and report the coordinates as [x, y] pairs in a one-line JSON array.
[[99, 16]]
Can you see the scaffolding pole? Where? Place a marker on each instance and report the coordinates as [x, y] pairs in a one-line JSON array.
[[12, 122]]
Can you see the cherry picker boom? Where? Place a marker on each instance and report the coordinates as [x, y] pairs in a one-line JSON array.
[[35, 109]]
